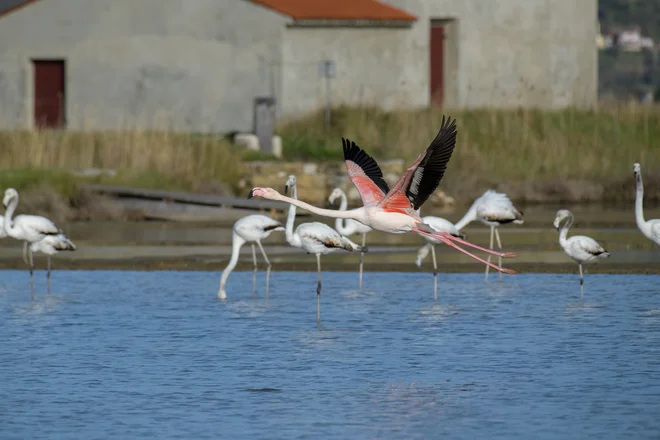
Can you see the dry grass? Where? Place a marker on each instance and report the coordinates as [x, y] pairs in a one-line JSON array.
[[161, 159], [528, 153], [497, 146]]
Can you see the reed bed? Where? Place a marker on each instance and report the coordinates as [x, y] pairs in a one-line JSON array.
[[146, 158], [495, 146]]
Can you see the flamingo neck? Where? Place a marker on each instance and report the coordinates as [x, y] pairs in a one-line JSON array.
[[332, 213], [639, 203], [10, 228], [340, 224], [422, 253], [563, 233], [236, 244], [468, 218], [291, 237]]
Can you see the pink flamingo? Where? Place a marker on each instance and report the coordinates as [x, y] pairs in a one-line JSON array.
[[395, 211]]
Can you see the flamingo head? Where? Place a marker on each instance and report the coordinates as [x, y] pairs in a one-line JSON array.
[[222, 294], [562, 214], [10, 194], [290, 183], [266, 193], [637, 170], [334, 195]]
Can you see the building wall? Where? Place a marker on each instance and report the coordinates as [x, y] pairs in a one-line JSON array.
[[513, 53], [505, 53], [197, 65], [179, 64], [374, 66]]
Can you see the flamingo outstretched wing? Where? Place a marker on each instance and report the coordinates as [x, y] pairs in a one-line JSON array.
[[364, 172], [424, 175]]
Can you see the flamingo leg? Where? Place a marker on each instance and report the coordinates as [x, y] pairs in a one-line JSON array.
[[364, 242], [499, 245], [318, 290], [492, 232], [447, 241], [435, 274], [31, 262], [254, 272], [48, 275], [443, 236], [581, 283], [261, 248], [25, 251]]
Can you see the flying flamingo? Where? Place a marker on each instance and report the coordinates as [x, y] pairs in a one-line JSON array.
[[439, 224], [493, 209], [394, 211], [580, 248], [249, 229], [348, 227], [38, 233], [650, 228], [315, 238]]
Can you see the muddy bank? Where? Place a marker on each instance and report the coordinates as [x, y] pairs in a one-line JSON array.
[[315, 186]]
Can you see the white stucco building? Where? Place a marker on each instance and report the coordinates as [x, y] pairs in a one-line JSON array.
[[199, 64]]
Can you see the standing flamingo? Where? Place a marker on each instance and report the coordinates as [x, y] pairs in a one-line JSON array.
[[38, 232], [394, 211], [249, 229], [493, 209], [439, 224], [650, 228], [348, 227], [315, 238], [580, 248]]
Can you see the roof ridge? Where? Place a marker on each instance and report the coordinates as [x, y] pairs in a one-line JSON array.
[[9, 6], [370, 10]]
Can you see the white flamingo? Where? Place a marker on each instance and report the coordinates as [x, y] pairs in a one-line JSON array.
[[249, 229], [580, 248], [439, 224], [315, 238], [38, 233], [348, 227], [650, 228], [394, 211], [493, 209]]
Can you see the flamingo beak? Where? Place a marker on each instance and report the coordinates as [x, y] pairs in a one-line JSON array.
[[286, 189], [251, 194]]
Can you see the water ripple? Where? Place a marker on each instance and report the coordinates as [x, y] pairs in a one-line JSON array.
[[155, 354]]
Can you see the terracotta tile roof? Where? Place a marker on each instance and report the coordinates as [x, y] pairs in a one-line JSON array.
[[337, 10], [9, 6]]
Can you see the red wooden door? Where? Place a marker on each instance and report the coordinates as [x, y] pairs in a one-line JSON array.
[[49, 93], [437, 52]]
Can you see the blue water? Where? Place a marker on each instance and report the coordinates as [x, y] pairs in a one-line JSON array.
[[114, 354]]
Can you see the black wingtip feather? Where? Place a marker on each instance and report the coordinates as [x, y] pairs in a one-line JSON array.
[[432, 168], [368, 164], [271, 227]]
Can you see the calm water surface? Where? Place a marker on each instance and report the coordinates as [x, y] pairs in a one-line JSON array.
[[155, 355]]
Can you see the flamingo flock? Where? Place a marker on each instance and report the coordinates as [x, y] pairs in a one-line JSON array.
[[393, 210]]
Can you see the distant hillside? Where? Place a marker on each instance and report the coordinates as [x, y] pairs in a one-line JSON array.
[[645, 13], [627, 75]]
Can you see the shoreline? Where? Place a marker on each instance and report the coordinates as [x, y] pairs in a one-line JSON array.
[[202, 264]]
